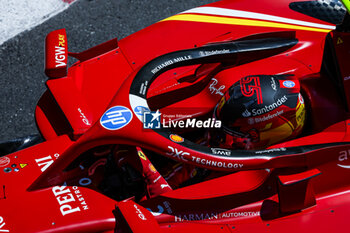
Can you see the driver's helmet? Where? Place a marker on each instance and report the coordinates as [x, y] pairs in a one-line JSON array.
[[259, 111]]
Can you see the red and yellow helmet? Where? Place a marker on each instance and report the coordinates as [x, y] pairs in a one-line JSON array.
[[259, 111]]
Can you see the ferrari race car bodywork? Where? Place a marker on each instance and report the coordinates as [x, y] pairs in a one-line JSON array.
[[185, 63]]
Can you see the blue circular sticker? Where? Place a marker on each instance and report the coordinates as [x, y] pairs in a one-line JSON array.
[[140, 109], [289, 84], [116, 118]]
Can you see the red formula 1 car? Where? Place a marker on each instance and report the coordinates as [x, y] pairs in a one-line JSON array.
[[102, 164]]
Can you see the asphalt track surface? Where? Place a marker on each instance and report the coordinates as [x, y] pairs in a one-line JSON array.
[[88, 23]]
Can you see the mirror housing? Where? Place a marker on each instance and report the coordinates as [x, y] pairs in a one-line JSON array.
[[56, 54]]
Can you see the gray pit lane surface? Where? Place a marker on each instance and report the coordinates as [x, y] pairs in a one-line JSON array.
[[88, 23]]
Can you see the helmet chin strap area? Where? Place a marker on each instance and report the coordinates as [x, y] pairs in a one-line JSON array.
[[215, 158]]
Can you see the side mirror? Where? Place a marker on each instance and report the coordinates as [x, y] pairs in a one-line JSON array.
[[56, 54]]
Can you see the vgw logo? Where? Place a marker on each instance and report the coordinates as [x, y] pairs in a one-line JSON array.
[[116, 118], [151, 120]]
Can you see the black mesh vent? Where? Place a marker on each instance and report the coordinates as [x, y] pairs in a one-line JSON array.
[[331, 11]]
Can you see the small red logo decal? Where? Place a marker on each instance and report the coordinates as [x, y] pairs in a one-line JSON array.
[[251, 85]]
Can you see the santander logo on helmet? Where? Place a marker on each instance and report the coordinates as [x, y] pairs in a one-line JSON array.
[[268, 108]]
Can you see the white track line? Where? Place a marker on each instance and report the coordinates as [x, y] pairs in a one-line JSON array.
[[17, 16]]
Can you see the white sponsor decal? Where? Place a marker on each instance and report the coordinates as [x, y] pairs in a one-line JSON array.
[[347, 78], [264, 118], [344, 156], [196, 217], [270, 107], [143, 88], [170, 62], [179, 154], [60, 52], [139, 213], [215, 163], [2, 224], [184, 58], [216, 90], [83, 117], [67, 199], [46, 162], [213, 216], [273, 84], [270, 150], [220, 151], [213, 52], [59, 56]]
